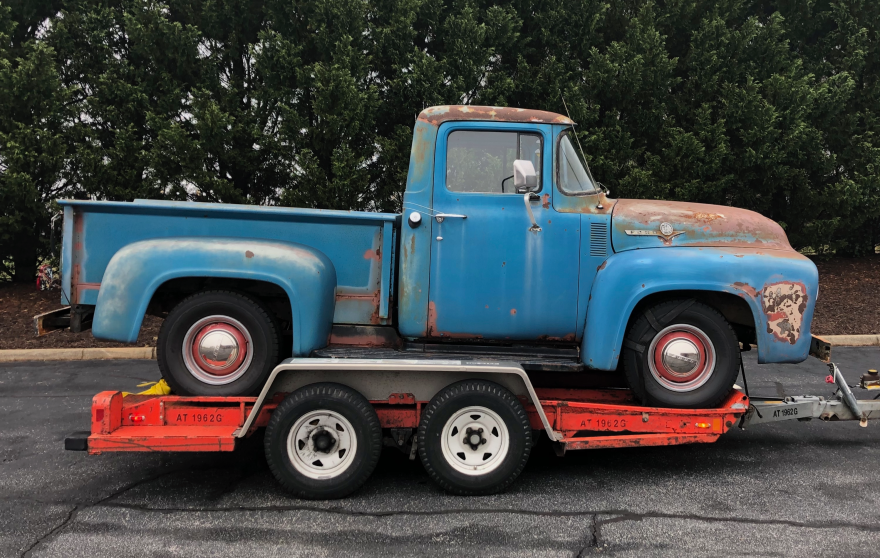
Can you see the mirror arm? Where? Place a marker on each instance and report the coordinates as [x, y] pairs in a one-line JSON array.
[[505, 180], [528, 198]]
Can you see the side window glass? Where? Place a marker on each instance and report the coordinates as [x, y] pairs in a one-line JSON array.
[[573, 177], [482, 162]]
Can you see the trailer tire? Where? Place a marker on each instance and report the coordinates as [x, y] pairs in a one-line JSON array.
[[474, 438], [682, 354], [241, 328], [323, 441]]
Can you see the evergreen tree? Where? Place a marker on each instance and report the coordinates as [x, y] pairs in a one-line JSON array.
[[33, 141], [765, 104]]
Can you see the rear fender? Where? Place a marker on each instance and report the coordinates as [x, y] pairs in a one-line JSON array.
[[136, 271], [761, 278]]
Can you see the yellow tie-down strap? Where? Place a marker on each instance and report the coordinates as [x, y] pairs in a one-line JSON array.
[[156, 388]]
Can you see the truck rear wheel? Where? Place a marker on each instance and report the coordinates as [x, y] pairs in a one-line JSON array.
[[323, 441], [217, 343], [681, 354], [474, 438]]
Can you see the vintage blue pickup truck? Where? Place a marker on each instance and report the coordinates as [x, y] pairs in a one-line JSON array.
[[507, 248]]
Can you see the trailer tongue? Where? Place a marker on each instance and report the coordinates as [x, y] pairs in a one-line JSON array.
[[572, 418]]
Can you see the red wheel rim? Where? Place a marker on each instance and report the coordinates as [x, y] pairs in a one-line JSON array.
[[681, 357], [219, 349]]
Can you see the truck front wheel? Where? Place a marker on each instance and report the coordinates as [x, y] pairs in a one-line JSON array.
[[681, 353], [217, 343], [474, 438]]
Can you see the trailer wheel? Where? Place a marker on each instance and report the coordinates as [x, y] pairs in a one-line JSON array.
[[323, 441], [474, 438], [217, 343], [681, 353]]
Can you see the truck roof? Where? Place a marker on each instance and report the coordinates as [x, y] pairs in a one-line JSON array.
[[438, 115]]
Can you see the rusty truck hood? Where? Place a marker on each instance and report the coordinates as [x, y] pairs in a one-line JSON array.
[[656, 223]]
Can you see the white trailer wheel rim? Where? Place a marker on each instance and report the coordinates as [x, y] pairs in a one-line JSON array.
[[466, 453], [306, 453]]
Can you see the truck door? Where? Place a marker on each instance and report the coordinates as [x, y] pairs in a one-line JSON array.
[[493, 275]]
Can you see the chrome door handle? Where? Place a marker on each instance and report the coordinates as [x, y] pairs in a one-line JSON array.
[[441, 216], [528, 198]]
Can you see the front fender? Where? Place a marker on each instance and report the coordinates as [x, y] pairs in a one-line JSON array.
[[762, 278], [136, 271]]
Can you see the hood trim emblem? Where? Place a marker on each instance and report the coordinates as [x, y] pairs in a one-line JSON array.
[[666, 232]]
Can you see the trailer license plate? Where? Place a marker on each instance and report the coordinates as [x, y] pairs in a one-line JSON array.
[[190, 416]]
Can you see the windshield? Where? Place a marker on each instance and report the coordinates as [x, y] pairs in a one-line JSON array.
[[574, 176]]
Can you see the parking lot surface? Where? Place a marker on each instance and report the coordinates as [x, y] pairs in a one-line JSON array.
[[786, 489]]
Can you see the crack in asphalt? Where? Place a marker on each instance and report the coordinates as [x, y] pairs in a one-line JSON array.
[[619, 515], [67, 519], [592, 540], [101, 502]]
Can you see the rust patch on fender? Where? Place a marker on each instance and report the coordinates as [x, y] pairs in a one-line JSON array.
[[601, 267], [784, 305], [248, 254], [746, 288]]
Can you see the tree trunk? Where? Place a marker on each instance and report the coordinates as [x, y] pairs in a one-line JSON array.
[[24, 257]]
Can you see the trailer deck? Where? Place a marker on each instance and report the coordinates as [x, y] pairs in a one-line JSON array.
[[573, 418], [583, 418]]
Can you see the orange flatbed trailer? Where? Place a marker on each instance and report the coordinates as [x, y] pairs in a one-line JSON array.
[[586, 418], [572, 419]]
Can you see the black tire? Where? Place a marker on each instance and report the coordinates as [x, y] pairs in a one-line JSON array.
[[249, 314], [661, 323], [336, 399], [444, 407]]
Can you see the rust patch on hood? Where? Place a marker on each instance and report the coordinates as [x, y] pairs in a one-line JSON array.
[[699, 225], [784, 305], [438, 115]]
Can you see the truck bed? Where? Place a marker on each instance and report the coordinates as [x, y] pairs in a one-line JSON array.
[[361, 245]]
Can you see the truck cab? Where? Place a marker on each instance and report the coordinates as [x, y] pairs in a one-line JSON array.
[[506, 247]]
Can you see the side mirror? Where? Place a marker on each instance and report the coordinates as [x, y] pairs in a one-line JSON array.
[[524, 176]]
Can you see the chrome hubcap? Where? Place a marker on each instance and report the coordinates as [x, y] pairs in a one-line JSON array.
[[681, 357], [217, 350]]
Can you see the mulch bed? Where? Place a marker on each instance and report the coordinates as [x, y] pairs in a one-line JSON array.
[[849, 296], [20, 303], [849, 304]]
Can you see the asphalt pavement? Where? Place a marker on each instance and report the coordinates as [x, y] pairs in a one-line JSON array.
[[786, 489]]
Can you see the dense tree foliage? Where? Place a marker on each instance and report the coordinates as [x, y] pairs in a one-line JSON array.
[[771, 105]]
